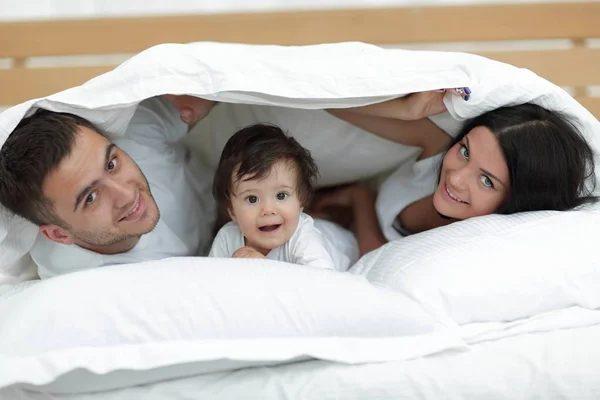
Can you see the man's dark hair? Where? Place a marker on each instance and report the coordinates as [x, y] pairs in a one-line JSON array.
[[34, 149], [252, 151]]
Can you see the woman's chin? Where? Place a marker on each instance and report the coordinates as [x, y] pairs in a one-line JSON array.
[[442, 207]]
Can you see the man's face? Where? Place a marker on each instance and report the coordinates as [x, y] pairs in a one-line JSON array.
[[101, 195]]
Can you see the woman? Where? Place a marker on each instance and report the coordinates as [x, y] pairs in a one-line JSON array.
[[509, 160]]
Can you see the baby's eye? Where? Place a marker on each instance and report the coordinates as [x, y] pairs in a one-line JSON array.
[[252, 199], [112, 164], [90, 198], [487, 182], [464, 151], [282, 196]]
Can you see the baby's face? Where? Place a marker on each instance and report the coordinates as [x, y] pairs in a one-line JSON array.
[[267, 210]]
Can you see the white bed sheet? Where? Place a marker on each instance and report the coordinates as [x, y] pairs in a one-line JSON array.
[[559, 363]]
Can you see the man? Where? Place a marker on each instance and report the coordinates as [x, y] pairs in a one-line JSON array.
[[96, 202]]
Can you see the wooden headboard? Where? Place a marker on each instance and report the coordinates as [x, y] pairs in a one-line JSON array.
[[574, 63]]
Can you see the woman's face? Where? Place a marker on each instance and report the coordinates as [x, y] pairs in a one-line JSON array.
[[474, 180]]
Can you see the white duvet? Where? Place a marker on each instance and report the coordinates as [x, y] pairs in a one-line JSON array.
[[307, 77], [447, 291]]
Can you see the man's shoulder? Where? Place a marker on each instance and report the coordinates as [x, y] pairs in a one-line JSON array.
[[54, 258], [57, 259]]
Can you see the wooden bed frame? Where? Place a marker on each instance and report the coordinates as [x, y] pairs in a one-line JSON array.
[[574, 64]]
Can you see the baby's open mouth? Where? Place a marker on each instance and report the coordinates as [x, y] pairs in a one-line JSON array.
[[269, 228]]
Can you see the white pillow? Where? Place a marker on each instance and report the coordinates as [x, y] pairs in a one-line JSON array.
[[177, 317], [495, 268], [343, 152]]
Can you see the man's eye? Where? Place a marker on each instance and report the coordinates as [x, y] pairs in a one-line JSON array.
[[251, 199], [112, 164], [90, 198], [282, 196]]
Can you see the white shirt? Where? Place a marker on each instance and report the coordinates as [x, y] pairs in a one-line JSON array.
[[179, 183], [307, 246], [412, 181]]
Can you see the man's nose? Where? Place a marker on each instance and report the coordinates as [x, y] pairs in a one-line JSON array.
[[121, 192]]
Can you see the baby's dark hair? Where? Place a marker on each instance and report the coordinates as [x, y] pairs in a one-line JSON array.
[[252, 151]]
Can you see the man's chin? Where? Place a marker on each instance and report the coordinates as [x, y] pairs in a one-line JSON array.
[[152, 211], [117, 245], [153, 221]]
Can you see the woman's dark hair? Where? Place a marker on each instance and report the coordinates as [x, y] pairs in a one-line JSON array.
[[550, 164], [252, 151]]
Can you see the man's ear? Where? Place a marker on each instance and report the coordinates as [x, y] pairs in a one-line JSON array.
[[57, 234]]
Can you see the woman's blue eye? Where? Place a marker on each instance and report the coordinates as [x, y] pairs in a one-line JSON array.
[[252, 199], [487, 182], [282, 196], [464, 151]]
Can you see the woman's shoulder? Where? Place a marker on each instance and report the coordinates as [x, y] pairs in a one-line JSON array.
[[411, 182]]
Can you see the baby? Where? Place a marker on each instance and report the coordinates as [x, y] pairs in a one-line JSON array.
[[263, 182]]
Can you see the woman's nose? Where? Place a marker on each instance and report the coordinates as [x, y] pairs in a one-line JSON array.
[[458, 177]]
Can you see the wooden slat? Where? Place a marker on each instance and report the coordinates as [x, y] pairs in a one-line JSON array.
[[592, 104], [21, 84], [575, 67], [380, 26]]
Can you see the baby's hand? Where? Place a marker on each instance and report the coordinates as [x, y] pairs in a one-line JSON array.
[[247, 252]]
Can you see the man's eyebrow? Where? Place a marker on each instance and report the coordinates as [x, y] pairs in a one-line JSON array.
[[85, 191], [483, 170], [108, 152]]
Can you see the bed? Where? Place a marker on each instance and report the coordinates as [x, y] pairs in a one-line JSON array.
[[537, 347]]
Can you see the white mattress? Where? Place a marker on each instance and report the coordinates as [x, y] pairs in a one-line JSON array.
[[559, 363]]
